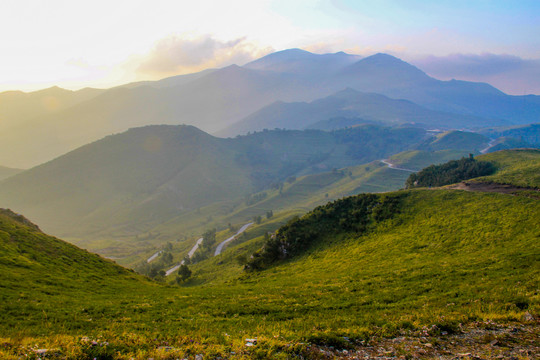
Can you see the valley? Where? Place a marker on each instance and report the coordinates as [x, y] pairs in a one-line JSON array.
[[301, 205], [421, 273]]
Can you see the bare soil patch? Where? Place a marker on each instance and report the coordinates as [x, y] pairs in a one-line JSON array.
[[490, 187]]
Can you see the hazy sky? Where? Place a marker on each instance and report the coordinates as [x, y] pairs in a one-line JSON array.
[[75, 43]]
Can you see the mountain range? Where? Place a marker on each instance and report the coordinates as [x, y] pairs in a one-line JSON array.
[[57, 120]]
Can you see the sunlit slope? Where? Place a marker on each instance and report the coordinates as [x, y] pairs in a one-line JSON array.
[[520, 167], [40, 270], [419, 159], [443, 256], [439, 257]]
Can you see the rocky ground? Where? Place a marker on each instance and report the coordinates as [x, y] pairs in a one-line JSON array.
[[485, 340]]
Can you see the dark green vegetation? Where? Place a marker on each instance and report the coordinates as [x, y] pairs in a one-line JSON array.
[[357, 214], [435, 257], [58, 121], [451, 172]]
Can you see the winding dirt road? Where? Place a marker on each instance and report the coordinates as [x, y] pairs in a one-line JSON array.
[[224, 242], [392, 166]]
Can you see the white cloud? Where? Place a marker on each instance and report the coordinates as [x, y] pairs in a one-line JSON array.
[[178, 54]]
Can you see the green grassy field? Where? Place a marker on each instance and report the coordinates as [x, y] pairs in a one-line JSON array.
[[516, 167], [474, 259]]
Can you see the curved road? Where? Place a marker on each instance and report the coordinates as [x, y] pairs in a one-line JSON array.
[[190, 254], [392, 166], [224, 242], [490, 145]]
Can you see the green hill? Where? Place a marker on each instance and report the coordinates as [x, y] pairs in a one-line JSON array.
[[419, 159], [124, 185], [456, 140], [520, 167], [440, 263], [44, 276]]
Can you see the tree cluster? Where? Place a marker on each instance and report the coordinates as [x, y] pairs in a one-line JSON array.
[[353, 214], [451, 172]]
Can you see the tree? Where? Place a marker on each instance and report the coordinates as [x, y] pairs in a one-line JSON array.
[[209, 238], [269, 214], [184, 273]]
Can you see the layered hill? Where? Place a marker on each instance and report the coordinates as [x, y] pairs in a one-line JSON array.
[[6, 172], [214, 100], [352, 104], [453, 269], [125, 184]]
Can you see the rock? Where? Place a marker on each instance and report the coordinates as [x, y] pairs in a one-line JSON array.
[[528, 317], [251, 342]]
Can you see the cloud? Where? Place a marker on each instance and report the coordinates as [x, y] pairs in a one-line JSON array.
[[179, 54], [511, 74]]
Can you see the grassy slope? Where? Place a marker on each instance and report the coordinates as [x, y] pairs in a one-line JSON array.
[[516, 167], [419, 159], [296, 198], [47, 277], [475, 258], [456, 140]]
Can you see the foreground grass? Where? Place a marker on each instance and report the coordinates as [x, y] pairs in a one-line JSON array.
[[448, 258]]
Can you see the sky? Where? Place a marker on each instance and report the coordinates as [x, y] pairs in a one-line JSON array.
[[78, 43]]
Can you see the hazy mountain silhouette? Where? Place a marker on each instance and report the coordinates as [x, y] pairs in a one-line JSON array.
[[216, 99], [127, 182], [6, 172], [301, 62], [349, 103]]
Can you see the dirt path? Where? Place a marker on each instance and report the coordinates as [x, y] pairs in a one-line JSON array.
[[488, 187], [490, 145], [392, 166], [224, 242]]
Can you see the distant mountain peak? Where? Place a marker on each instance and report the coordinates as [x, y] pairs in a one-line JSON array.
[[381, 64], [382, 59]]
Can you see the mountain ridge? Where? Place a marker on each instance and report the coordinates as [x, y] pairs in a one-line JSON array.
[[216, 99]]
